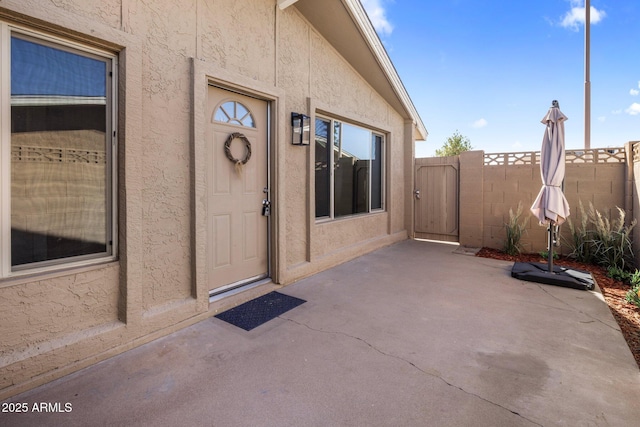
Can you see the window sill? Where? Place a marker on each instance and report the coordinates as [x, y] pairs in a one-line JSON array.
[[326, 220], [29, 276]]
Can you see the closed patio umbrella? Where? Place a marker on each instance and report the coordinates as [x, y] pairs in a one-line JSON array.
[[551, 207]]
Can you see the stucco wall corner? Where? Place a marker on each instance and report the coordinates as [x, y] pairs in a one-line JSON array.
[[199, 83]]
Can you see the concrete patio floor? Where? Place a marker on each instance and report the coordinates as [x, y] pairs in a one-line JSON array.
[[410, 335]]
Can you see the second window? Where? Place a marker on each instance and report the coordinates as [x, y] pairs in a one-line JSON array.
[[349, 169]]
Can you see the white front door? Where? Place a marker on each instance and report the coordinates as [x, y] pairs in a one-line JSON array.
[[237, 186]]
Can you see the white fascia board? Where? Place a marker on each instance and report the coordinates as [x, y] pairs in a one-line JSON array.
[[372, 39], [283, 4]]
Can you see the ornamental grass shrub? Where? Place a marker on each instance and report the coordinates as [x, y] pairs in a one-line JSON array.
[[612, 240], [598, 240], [515, 229], [579, 242]]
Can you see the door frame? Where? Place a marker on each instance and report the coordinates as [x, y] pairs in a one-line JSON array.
[[249, 281], [204, 75]]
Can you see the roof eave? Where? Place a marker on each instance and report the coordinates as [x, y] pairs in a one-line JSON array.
[[377, 49]]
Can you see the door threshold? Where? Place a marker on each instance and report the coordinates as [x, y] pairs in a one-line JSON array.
[[236, 288]]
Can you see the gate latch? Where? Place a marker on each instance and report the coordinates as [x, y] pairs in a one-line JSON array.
[[417, 193], [266, 207]]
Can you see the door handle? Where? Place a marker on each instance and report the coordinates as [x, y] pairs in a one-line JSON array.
[[417, 193], [266, 207]]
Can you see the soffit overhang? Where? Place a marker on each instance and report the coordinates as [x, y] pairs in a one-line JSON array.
[[346, 26]]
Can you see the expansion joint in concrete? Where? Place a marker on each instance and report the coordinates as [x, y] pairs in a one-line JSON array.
[[413, 365], [594, 319]]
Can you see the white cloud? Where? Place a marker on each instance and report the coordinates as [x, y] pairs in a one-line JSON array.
[[480, 123], [602, 119], [616, 112], [575, 17], [516, 145], [633, 110], [377, 15], [634, 92]]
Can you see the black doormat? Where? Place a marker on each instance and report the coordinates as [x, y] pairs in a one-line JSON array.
[[254, 313]]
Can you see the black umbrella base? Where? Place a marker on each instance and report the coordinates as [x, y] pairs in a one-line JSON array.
[[539, 273]]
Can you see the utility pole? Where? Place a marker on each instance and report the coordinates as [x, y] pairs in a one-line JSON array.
[[587, 75]]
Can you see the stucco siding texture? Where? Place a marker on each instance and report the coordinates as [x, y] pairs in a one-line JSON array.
[[308, 66], [105, 12], [335, 82], [47, 315], [169, 41], [400, 160], [61, 321], [294, 58], [238, 36]]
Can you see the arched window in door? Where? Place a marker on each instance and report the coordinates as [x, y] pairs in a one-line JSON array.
[[234, 113]]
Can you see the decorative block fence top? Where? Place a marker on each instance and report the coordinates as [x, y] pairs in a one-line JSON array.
[[56, 155], [636, 151], [594, 155]]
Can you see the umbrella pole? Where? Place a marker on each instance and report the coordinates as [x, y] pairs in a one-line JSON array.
[[550, 249]]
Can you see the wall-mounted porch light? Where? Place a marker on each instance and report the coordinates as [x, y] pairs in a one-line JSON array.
[[300, 130]]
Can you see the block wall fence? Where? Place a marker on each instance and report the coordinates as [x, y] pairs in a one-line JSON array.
[[491, 184], [61, 182]]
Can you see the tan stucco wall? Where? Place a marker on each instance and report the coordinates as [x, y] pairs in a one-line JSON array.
[[319, 80], [56, 322]]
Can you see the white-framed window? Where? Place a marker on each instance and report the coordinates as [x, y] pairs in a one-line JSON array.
[[349, 169], [57, 152]]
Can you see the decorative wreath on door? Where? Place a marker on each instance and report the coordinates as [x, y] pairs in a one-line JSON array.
[[227, 151]]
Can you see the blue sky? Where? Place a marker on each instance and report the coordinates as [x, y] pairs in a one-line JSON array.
[[41, 70], [490, 69]]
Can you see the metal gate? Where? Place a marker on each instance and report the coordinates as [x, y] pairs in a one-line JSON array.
[[436, 192]]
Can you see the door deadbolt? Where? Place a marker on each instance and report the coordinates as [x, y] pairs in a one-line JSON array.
[[266, 207]]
